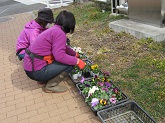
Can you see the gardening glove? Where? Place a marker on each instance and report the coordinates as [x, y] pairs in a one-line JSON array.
[[80, 63], [77, 55]]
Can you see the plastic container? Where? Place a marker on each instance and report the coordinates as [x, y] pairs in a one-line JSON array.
[[127, 112], [124, 99], [75, 81]]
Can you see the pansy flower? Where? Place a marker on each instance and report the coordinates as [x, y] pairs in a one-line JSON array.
[[103, 101], [92, 90], [94, 102], [113, 100], [82, 80], [106, 73], [108, 85], [94, 67], [100, 83], [103, 79], [98, 78], [106, 89], [115, 90], [87, 85]]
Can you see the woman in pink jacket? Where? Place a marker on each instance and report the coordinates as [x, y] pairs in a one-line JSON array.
[[49, 59], [32, 30]]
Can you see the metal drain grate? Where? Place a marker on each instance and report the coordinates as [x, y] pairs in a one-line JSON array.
[[4, 19]]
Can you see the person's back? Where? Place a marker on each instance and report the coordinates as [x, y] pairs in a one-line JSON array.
[[49, 59], [51, 41], [32, 29]]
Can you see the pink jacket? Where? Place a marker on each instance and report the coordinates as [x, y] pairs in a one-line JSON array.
[[31, 30], [52, 41]]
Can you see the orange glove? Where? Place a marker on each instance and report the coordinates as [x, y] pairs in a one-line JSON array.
[[80, 63], [77, 55]]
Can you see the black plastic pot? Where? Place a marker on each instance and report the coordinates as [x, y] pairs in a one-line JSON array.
[[86, 74]]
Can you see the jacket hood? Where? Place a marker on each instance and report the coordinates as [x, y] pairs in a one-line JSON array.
[[33, 25]]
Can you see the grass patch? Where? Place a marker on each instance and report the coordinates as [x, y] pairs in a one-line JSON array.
[[145, 80]]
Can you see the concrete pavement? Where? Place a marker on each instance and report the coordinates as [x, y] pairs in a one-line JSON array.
[[10, 7], [21, 99]]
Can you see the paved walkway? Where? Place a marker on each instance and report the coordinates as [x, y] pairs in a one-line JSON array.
[[21, 99]]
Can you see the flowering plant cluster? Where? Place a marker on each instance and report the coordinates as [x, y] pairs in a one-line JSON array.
[[75, 70], [95, 68], [78, 50], [100, 91]]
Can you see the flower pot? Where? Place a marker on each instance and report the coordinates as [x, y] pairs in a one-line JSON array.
[[75, 76], [86, 74], [80, 74], [94, 74]]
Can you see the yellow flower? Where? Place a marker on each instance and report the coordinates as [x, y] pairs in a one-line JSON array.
[[103, 79], [92, 67], [95, 66], [103, 102]]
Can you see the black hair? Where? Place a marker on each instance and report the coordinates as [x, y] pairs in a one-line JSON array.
[[66, 20], [41, 22]]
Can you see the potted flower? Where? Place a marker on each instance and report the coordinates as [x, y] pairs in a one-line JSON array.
[[100, 92], [81, 53], [95, 70], [86, 71], [76, 72]]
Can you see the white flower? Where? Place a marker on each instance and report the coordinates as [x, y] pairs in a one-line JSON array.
[[77, 49], [92, 90]]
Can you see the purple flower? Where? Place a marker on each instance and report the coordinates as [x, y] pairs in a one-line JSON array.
[[82, 80], [100, 83], [115, 90], [94, 102], [108, 85], [113, 100], [106, 89], [87, 85], [107, 73]]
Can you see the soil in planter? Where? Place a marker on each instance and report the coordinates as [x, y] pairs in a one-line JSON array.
[[86, 74]]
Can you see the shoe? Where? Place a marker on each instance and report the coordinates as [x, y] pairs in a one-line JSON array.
[[53, 86], [64, 75], [55, 89]]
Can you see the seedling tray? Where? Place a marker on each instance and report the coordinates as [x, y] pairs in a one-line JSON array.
[[124, 99], [127, 112], [75, 81]]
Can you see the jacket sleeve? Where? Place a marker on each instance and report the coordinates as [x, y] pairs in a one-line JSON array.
[[60, 51], [22, 41], [70, 51]]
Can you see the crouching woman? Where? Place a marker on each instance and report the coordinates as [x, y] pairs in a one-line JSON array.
[[49, 59]]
